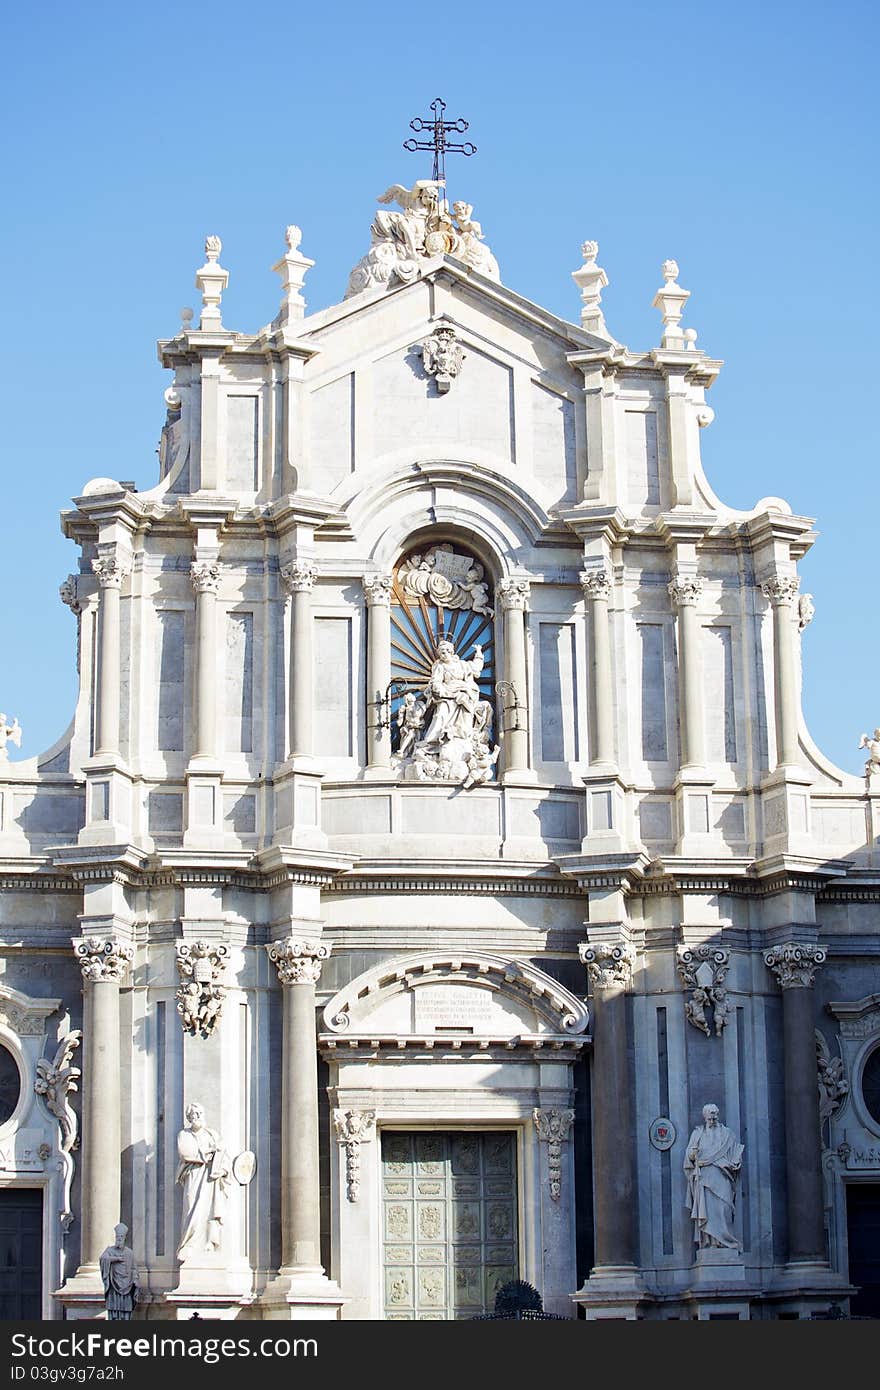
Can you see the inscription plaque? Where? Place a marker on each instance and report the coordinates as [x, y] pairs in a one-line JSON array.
[[438, 1007]]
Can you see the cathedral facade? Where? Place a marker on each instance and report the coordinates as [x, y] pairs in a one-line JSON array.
[[437, 885]]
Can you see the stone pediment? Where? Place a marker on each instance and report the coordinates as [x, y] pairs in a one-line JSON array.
[[474, 999]]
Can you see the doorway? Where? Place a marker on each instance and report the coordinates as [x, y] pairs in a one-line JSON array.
[[21, 1253], [863, 1235], [449, 1223]]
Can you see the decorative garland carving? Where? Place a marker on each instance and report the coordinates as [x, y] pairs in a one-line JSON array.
[[554, 1126], [200, 996], [353, 1128], [702, 969]]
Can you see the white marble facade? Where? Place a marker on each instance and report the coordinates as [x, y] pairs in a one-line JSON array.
[[632, 777]]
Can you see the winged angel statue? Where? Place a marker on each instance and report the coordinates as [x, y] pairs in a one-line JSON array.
[[402, 241]]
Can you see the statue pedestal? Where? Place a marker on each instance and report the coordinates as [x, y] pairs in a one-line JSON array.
[[714, 1267], [83, 1295], [216, 1288], [612, 1292], [302, 1294]]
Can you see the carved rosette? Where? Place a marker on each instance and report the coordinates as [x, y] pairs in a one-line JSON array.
[[609, 964], [111, 570], [702, 969], [781, 590], [298, 962], [554, 1126], [205, 575], [377, 590], [514, 594], [299, 576], [54, 1083], [103, 958], [685, 590], [596, 584], [200, 994], [795, 963], [353, 1128]]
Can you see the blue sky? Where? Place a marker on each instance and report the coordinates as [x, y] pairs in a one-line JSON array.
[[740, 140]]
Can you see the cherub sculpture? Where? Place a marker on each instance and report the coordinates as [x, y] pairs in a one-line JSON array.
[[872, 766]]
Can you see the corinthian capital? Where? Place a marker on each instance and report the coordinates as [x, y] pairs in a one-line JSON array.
[[514, 593], [102, 957], [377, 590], [205, 576], [781, 589], [299, 576], [685, 590], [608, 963], [110, 569], [298, 962], [795, 963], [596, 583]]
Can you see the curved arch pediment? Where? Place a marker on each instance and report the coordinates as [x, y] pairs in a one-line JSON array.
[[454, 993]]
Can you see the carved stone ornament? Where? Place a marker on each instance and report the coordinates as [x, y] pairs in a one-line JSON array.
[[872, 766], [609, 964], [596, 584], [443, 356], [702, 969], [299, 576], [446, 577], [10, 732], [514, 593], [685, 590], [833, 1086], [377, 590], [402, 242], [298, 962], [199, 995], [205, 576], [111, 570], [795, 963], [806, 611], [54, 1083], [591, 281], [781, 589], [69, 593], [554, 1126], [353, 1128], [102, 957]]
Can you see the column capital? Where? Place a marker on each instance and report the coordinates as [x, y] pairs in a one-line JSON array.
[[205, 575], [596, 583], [781, 590], [299, 576], [102, 957], [795, 963], [553, 1126], [377, 590], [608, 963], [111, 570], [514, 593], [298, 962], [685, 590]]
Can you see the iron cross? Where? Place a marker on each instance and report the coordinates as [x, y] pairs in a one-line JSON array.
[[439, 143]]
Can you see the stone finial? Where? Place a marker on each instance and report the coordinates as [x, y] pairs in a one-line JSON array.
[[795, 963], [9, 733], [186, 319], [293, 268], [670, 299], [212, 280], [591, 281]]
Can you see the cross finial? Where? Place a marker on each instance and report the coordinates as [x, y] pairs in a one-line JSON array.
[[439, 142]]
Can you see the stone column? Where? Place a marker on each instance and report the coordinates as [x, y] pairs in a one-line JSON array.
[[685, 591], [299, 967], [103, 961], [596, 585], [206, 583], [514, 595], [377, 592], [782, 593], [111, 571], [795, 964], [298, 579], [609, 966]]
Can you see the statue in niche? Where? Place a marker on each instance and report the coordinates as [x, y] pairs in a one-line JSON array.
[[447, 578], [712, 1164], [205, 1173], [119, 1276], [455, 746]]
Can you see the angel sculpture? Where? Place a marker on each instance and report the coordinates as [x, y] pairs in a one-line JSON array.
[[421, 211], [872, 744]]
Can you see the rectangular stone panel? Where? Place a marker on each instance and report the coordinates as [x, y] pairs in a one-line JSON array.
[[332, 433], [170, 661], [559, 695], [333, 683], [642, 463], [239, 683], [242, 443], [655, 746]]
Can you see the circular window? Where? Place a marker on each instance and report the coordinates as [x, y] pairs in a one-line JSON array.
[[10, 1085], [871, 1085]]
